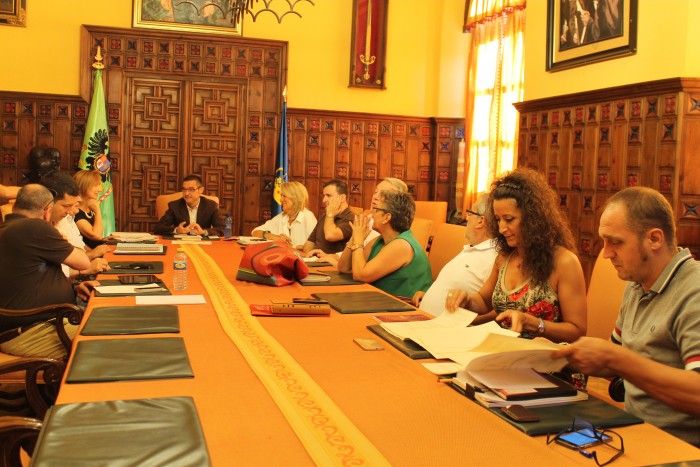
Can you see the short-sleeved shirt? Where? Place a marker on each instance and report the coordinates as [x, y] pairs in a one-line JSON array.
[[467, 271], [298, 231], [342, 221], [663, 325], [31, 253], [408, 279]]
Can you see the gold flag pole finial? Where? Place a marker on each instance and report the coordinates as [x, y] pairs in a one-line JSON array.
[[97, 64], [284, 93]]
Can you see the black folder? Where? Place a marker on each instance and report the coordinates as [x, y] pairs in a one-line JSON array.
[[363, 302], [136, 319], [337, 278], [407, 347], [557, 418], [164, 291], [129, 359], [161, 431], [135, 267]]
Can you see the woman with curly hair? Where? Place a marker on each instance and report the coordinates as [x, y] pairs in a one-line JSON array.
[[536, 286]]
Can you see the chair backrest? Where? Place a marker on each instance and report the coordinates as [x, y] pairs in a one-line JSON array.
[[603, 298], [433, 210], [356, 209], [6, 209], [163, 200], [421, 229], [448, 240]]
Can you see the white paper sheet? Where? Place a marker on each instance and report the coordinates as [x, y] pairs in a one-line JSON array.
[[170, 299]]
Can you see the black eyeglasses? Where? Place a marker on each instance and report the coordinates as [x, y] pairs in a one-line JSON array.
[[380, 209], [190, 190], [582, 435], [474, 213]]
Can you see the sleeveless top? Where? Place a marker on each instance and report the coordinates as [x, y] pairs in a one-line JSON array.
[[408, 279], [539, 300], [90, 217]]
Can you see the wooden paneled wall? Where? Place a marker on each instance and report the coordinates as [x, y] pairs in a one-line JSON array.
[[595, 143], [211, 105]]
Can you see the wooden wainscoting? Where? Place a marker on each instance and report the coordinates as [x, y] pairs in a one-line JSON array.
[[595, 143]]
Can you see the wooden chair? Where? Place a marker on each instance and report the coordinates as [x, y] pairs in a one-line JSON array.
[[433, 210], [448, 240], [603, 301], [39, 378], [17, 433], [421, 229], [6, 209], [163, 200]]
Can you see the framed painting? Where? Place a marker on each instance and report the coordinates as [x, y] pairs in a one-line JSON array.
[[13, 12], [580, 32], [210, 16], [368, 46]]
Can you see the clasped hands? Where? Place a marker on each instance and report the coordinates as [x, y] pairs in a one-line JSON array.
[[360, 229], [193, 229]]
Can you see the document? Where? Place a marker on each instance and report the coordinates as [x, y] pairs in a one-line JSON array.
[[170, 300], [136, 248], [460, 318], [133, 237]]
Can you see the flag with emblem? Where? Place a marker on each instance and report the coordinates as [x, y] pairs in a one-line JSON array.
[[282, 163], [94, 154]]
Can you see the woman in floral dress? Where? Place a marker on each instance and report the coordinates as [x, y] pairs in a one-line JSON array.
[[537, 286]]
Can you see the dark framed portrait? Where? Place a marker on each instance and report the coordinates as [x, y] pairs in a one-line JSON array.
[[13, 12], [580, 32]]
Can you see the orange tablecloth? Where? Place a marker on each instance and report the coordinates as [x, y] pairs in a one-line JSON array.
[[399, 406]]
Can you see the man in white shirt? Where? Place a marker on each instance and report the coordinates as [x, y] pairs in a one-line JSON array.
[[469, 269]]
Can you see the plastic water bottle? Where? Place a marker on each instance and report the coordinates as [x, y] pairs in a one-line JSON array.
[[180, 270], [228, 226]]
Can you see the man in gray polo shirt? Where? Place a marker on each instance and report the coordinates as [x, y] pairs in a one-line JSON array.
[[655, 346]]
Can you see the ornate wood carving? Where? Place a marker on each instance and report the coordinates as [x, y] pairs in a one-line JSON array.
[[593, 144]]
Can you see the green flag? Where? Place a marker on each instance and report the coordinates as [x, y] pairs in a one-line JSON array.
[[94, 154]]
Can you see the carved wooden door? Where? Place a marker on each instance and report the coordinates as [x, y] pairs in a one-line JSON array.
[[176, 128]]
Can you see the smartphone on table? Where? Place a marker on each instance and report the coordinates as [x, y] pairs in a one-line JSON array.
[[582, 439]]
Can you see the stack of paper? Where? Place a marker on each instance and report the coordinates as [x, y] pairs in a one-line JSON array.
[[133, 237], [136, 248], [251, 240]]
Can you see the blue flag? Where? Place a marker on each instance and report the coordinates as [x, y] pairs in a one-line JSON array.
[[282, 163]]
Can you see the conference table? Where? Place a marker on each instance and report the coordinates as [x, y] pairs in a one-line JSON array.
[[393, 403]]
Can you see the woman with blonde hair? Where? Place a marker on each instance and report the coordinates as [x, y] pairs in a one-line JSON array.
[[89, 217], [295, 223]]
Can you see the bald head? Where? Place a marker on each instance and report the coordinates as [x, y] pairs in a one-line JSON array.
[[32, 200]]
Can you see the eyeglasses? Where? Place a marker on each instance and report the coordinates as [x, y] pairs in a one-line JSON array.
[[190, 190], [469, 211], [583, 435], [380, 209]]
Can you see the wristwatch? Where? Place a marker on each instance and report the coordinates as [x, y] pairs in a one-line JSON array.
[[540, 327], [353, 246]]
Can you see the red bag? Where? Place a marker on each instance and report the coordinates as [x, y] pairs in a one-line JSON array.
[[271, 263]]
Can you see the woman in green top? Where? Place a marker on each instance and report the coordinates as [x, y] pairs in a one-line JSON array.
[[394, 261]]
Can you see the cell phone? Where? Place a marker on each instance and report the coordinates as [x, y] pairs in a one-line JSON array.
[[367, 343], [581, 439], [139, 279], [520, 413]]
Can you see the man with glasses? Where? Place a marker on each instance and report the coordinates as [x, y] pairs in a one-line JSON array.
[[192, 214], [31, 254], [655, 346], [469, 269]]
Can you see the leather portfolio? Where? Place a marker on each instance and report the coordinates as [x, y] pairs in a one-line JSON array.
[[136, 319], [336, 278], [407, 347], [130, 290], [557, 418], [363, 302], [135, 267], [161, 431], [129, 359]]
